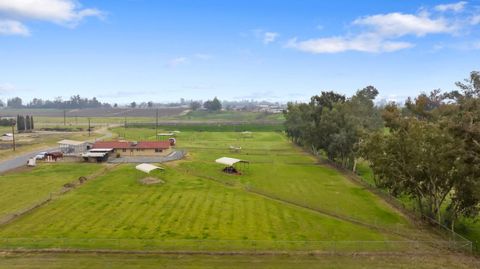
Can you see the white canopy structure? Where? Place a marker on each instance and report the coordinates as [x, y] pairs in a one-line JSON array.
[[94, 154], [147, 168], [229, 161], [101, 150], [166, 134]]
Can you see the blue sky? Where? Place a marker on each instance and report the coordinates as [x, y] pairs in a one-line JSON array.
[[126, 50]]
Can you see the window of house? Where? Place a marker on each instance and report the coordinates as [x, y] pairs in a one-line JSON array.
[[124, 150], [158, 150]]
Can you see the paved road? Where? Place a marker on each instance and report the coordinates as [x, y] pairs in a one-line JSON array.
[[21, 160], [176, 155]]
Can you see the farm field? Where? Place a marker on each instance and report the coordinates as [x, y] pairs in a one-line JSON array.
[[281, 170], [185, 212], [48, 118], [91, 112], [21, 189], [283, 201]]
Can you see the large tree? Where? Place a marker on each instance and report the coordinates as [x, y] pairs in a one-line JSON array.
[[213, 105], [333, 124], [15, 102], [432, 151]]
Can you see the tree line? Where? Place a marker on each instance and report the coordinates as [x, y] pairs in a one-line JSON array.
[[78, 102], [427, 149], [75, 102]]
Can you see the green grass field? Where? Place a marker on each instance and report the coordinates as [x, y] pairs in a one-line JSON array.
[[282, 201], [20, 190], [284, 171], [185, 207], [199, 203]]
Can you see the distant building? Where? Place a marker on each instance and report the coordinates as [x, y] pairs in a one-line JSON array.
[[132, 148]]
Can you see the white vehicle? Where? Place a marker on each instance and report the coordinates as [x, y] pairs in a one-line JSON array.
[[40, 156]]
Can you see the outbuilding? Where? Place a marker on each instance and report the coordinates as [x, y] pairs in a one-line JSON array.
[[72, 147], [231, 164], [147, 168]]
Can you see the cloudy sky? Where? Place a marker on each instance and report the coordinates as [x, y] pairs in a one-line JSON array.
[[125, 50]]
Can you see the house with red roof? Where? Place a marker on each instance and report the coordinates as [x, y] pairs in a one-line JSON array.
[[134, 148]]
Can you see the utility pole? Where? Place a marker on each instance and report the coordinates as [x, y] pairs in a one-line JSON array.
[[64, 117], [125, 127], [89, 127], [156, 126], [13, 136]]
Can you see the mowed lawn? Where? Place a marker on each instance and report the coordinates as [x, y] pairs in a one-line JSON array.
[[21, 190], [284, 171], [199, 207], [174, 215]]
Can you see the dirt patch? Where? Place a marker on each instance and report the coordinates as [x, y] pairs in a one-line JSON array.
[[5, 146], [150, 181]]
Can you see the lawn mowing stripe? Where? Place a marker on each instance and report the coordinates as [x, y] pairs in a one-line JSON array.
[[223, 222], [339, 217], [319, 211], [189, 216], [184, 211], [169, 205], [179, 198], [159, 201], [93, 175], [161, 215], [206, 213], [270, 221]]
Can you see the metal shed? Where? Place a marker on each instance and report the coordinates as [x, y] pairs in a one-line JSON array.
[[72, 147]]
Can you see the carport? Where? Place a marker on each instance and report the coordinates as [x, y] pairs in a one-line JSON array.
[[232, 166]]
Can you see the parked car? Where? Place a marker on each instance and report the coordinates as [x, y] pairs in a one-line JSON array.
[[41, 156]]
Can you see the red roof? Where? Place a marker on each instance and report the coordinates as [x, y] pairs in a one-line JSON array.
[[131, 145], [153, 145]]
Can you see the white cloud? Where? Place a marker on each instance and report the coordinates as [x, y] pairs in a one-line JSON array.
[[269, 37], [11, 27], [177, 61], [361, 43], [266, 37], [455, 7], [382, 33], [475, 20], [399, 24], [68, 12], [14, 13]]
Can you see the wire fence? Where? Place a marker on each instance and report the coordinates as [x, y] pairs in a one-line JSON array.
[[230, 246], [421, 218], [8, 218]]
